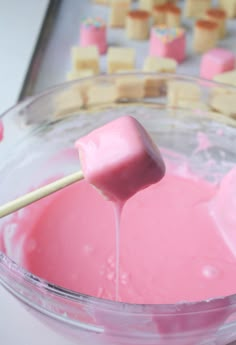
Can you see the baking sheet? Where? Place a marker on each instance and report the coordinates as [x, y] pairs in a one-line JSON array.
[[55, 61]]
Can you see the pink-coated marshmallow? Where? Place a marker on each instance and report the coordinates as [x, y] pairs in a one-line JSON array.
[[1, 130], [94, 36], [216, 61], [168, 42], [120, 159]]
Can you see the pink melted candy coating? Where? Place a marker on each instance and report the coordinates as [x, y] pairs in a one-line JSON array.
[[120, 159], [171, 249], [216, 61]]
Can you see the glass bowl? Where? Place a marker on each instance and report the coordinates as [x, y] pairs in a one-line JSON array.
[[38, 136]]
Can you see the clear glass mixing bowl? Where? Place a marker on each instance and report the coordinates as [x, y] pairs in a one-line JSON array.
[[42, 129]]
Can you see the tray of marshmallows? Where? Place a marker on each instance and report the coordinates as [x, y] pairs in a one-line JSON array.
[[193, 37]]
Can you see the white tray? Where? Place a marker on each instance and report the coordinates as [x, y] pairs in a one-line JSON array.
[[56, 59]]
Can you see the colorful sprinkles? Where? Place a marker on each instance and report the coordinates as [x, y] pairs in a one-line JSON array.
[[96, 22], [168, 34]]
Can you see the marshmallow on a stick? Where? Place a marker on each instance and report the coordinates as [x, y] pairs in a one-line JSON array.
[[120, 159]]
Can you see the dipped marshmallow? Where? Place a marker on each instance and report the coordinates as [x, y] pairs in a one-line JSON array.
[[216, 61], [168, 42], [93, 33], [120, 159]]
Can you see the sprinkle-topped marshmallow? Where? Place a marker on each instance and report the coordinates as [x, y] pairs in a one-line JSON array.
[[93, 33]]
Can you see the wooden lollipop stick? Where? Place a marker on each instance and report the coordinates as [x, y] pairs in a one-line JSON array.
[[38, 194]]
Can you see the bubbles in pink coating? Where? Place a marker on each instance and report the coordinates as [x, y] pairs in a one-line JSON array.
[[203, 142]]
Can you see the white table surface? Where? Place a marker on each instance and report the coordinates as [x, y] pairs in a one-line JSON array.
[[21, 21]]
